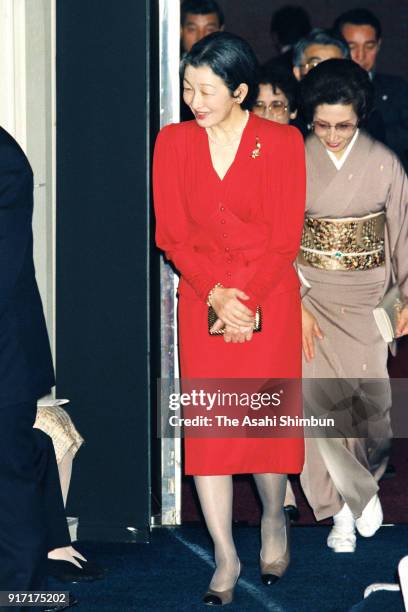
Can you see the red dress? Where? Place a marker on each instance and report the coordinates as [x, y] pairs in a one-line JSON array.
[[242, 231]]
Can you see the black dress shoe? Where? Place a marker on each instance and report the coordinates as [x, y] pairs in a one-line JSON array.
[[218, 598], [221, 598], [293, 513], [65, 571], [61, 606]]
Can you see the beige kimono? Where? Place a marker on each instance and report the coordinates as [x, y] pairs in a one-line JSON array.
[[352, 351]]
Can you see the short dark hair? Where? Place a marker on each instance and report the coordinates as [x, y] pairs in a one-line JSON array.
[[337, 81], [283, 80], [358, 16], [231, 58], [319, 36], [290, 23], [201, 7]]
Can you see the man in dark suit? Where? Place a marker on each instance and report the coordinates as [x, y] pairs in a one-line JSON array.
[[26, 373], [362, 31]]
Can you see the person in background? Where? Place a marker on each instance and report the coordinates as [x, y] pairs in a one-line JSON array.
[[198, 18], [362, 31], [288, 25], [319, 46], [355, 238], [277, 98]]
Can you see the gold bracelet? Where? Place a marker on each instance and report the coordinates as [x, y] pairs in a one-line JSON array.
[[211, 292]]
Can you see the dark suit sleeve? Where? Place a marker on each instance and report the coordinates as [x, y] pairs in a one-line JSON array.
[[397, 128], [391, 96], [16, 204], [375, 126]]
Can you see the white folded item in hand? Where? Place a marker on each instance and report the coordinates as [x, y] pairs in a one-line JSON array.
[[386, 313]]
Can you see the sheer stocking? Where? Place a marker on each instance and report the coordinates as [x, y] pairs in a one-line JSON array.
[[271, 489], [215, 493]]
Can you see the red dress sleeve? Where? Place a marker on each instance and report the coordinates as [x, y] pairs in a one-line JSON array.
[[284, 209], [173, 230]]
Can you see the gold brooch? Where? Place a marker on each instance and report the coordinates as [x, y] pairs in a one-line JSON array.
[[257, 151]]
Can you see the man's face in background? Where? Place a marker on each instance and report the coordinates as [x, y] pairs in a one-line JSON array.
[[363, 43], [313, 55], [196, 27]]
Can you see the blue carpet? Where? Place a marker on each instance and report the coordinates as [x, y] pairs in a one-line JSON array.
[[382, 601], [172, 572]]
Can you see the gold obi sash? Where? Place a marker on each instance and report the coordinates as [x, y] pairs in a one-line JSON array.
[[353, 243]]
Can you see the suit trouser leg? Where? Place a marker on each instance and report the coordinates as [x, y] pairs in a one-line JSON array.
[[22, 522], [56, 522]]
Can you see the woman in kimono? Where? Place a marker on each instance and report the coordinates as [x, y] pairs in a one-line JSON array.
[[355, 240], [229, 201]]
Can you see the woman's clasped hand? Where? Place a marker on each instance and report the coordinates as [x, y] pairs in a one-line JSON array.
[[234, 317]]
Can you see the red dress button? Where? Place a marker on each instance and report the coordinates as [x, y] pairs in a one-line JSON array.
[[222, 208], [225, 235], [223, 221]]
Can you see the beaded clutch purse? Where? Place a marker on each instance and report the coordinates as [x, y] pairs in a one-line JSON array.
[[212, 317]]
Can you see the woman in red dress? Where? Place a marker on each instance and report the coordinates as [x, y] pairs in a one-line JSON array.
[[229, 200]]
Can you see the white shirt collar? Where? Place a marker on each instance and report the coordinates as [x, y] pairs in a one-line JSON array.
[[340, 162]]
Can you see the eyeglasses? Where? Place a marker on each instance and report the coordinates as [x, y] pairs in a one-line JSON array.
[[344, 129], [277, 107], [309, 65]]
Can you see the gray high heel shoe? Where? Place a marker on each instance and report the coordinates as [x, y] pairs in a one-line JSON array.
[[221, 598], [271, 572]]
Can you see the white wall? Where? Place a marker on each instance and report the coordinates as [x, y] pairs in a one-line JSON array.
[[27, 111]]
